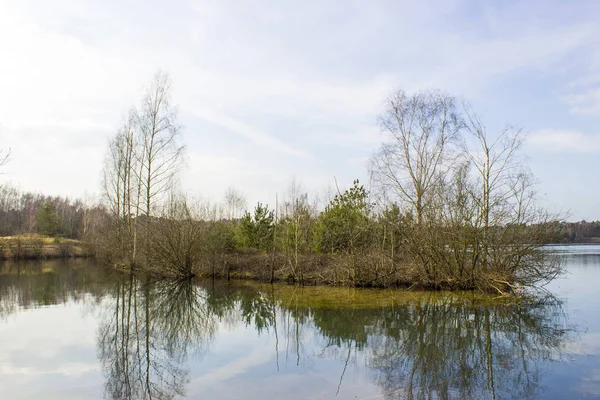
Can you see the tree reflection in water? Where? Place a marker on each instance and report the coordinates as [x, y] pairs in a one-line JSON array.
[[33, 284], [439, 349], [433, 346], [146, 333], [427, 345]]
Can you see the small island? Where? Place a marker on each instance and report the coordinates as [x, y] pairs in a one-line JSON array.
[[448, 206]]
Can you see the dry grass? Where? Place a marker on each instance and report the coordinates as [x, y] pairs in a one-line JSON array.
[[36, 246]]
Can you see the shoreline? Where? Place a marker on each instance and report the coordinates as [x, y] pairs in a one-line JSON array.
[[39, 247], [312, 270]]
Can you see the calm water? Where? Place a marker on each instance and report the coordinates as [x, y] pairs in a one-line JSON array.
[[72, 330]]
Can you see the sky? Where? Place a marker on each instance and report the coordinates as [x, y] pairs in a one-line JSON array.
[[269, 91]]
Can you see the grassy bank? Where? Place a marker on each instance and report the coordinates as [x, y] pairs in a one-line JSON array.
[[33, 247], [366, 270], [310, 269]]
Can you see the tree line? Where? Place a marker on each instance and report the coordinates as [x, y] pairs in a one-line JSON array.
[[582, 231], [23, 212]]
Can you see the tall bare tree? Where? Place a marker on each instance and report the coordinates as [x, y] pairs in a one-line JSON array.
[[420, 129], [161, 154], [142, 161], [235, 204], [502, 180], [297, 217], [121, 184], [496, 162]]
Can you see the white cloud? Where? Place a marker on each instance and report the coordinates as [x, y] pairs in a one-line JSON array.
[[49, 76], [565, 141], [71, 369], [586, 103]]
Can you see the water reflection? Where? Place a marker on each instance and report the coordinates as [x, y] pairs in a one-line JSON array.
[[146, 334], [26, 285], [443, 350], [152, 338], [437, 347]]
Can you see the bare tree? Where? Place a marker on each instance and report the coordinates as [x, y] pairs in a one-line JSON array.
[[501, 182], [297, 218], [142, 162], [235, 204], [496, 162], [492, 217], [178, 238], [121, 184], [420, 130], [161, 154]]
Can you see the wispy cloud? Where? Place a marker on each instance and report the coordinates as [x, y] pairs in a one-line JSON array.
[[586, 103], [240, 366], [254, 134], [565, 141]]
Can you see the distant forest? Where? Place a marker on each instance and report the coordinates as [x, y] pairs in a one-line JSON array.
[[579, 232], [23, 212]]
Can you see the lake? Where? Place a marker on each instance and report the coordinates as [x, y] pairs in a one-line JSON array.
[[72, 329]]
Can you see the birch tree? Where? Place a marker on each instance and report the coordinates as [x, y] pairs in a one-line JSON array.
[[420, 130], [142, 161], [234, 204], [296, 222], [500, 176], [161, 154], [120, 185], [496, 163]]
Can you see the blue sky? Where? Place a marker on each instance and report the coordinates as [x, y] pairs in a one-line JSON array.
[[271, 90]]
